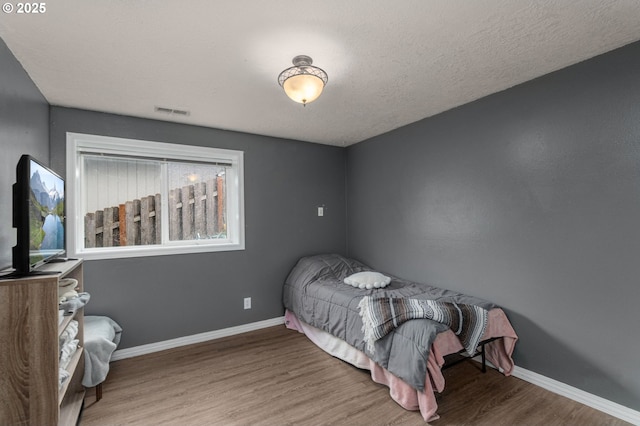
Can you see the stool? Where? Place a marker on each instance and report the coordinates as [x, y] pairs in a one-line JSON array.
[[101, 338]]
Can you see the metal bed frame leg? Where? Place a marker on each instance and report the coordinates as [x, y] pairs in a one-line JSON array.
[[479, 351]]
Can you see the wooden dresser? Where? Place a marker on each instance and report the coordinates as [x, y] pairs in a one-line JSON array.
[[29, 350]]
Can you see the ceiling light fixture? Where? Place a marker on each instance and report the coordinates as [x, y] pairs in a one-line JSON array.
[[303, 82]]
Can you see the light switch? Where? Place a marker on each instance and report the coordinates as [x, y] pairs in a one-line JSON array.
[[320, 210]]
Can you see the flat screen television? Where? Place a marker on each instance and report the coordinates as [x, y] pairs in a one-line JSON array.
[[38, 215]]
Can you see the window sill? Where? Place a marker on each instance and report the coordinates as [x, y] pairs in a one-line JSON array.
[[148, 251]]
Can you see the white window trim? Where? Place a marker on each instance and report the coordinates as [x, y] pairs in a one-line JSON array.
[[160, 150]]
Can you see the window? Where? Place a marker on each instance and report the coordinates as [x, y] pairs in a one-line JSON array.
[[138, 198]]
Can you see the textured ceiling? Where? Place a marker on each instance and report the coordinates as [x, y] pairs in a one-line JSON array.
[[389, 63]]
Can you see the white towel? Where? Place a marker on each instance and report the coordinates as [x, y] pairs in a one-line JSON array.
[[66, 353], [63, 376], [66, 289], [68, 334]]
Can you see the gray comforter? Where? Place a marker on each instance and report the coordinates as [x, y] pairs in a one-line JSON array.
[[314, 291]]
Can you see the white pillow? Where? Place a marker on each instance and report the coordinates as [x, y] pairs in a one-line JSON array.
[[368, 280]]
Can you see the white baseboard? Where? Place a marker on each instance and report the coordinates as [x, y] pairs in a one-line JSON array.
[[590, 400], [195, 338]]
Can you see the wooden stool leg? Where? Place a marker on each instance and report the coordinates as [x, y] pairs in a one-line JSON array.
[[98, 392]]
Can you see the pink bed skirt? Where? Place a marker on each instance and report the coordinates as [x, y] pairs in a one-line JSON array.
[[497, 352]]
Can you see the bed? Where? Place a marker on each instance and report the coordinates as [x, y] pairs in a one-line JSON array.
[[409, 358]]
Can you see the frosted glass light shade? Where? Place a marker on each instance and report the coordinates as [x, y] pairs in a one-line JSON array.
[[303, 88]]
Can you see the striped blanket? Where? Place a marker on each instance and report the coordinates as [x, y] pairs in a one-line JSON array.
[[382, 315]]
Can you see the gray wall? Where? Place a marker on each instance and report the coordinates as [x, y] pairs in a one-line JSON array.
[[164, 297], [529, 198], [24, 129]]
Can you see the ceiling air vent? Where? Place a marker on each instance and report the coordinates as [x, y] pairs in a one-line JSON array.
[[172, 111]]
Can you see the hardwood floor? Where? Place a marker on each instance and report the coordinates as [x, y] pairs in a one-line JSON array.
[[276, 376]]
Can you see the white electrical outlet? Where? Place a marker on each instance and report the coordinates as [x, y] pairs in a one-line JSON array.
[[320, 210], [247, 303]]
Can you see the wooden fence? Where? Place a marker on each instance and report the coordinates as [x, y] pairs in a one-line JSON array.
[[195, 212]]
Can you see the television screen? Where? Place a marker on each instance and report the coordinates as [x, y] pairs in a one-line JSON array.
[[38, 216], [46, 214]]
